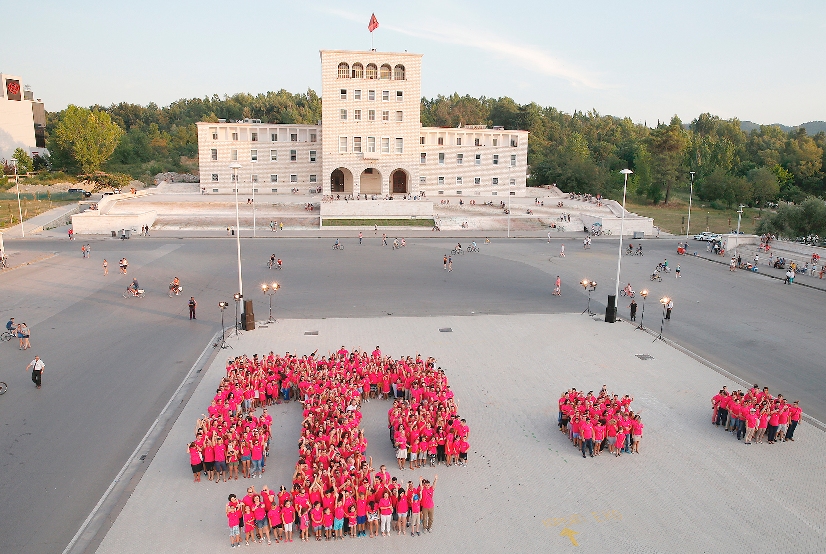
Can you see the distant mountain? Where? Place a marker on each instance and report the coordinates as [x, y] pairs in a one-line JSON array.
[[812, 127]]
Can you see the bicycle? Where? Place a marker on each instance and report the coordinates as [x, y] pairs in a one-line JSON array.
[[3, 387], [140, 293], [8, 335], [456, 251], [472, 248], [338, 247]]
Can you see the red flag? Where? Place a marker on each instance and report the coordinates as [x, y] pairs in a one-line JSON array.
[[374, 23]]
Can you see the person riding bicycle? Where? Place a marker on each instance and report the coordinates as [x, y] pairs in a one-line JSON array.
[[10, 325], [458, 247], [639, 250], [656, 274], [272, 260], [278, 263], [336, 242], [630, 248], [473, 245], [133, 286], [175, 285], [665, 265], [404, 243], [628, 290]]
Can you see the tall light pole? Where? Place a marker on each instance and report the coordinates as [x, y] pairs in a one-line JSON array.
[[690, 194], [625, 173], [270, 291], [509, 202], [19, 207], [235, 167], [737, 242]]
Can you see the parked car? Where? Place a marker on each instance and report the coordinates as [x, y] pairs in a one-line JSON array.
[[706, 236], [85, 194]]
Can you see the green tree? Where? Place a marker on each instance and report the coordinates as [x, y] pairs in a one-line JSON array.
[[24, 161], [90, 136], [667, 145], [764, 186]]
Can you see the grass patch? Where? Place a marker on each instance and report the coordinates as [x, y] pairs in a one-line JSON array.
[[32, 204], [674, 217], [378, 222]]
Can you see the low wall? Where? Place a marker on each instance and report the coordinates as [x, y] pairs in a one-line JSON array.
[[92, 222], [377, 209], [633, 224], [730, 242]]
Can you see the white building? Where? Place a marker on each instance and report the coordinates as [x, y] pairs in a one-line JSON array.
[[22, 119], [372, 142]]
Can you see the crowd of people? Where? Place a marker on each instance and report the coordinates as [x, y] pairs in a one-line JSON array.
[[755, 415], [335, 489], [595, 422]]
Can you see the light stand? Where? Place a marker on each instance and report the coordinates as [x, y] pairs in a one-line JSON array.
[[690, 194], [625, 173], [590, 286], [664, 300], [237, 298], [19, 207], [643, 293], [270, 291], [223, 344]]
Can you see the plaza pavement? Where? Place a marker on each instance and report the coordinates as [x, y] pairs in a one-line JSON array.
[[694, 488]]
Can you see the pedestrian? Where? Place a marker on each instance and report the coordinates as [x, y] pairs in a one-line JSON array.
[[36, 366], [375, 228], [756, 259], [633, 307], [732, 264], [449, 264], [677, 272], [562, 251], [557, 286], [427, 501], [444, 262], [272, 226], [281, 226], [227, 231], [105, 267], [794, 413], [234, 514], [788, 279], [192, 305], [384, 238], [88, 250], [23, 332], [83, 251], [71, 234], [361, 236], [549, 237], [668, 308]]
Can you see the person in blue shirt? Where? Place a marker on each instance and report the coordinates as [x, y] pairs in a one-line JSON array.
[[10, 325]]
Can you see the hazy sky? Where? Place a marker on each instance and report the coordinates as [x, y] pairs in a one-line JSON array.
[[757, 60]]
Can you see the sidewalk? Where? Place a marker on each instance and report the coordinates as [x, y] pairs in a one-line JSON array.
[[526, 488]]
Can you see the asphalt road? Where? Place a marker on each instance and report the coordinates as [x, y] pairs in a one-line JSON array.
[[112, 363]]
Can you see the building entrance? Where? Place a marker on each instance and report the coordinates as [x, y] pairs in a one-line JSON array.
[[399, 180]]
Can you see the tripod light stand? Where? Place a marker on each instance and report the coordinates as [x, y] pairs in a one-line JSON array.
[[590, 286]]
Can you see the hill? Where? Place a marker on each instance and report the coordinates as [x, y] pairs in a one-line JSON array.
[[812, 127]]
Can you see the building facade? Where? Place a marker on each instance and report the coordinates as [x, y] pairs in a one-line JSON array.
[[22, 119], [372, 142]]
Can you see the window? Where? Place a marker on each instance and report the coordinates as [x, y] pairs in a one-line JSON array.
[[273, 155], [358, 71], [459, 159], [234, 136], [458, 192], [477, 142], [293, 155], [371, 144], [399, 115], [513, 182], [422, 180], [273, 178], [398, 73], [234, 178], [255, 178], [440, 141], [254, 155], [313, 137], [294, 137], [357, 115], [423, 158], [371, 95], [372, 71], [214, 135], [399, 96], [313, 178], [385, 96], [274, 137], [514, 142], [313, 156], [343, 94], [342, 144], [255, 190], [496, 142], [441, 158], [441, 192], [477, 180], [385, 115], [214, 154], [371, 115], [441, 182], [343, 115], [254, 136], [496, 159], [385, 72], [233, 155], [214, 190], [513, 160], [357, 144], [494, 181], [343, 70], [214, 177], [385, 145], [357, 94], [293, 178], [421, 140], [458, 182], [458, 141], [478, 160], [275, 190], [399, 146], [494, 193]]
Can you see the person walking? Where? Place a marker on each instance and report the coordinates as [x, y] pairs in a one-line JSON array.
[[105, 267], [668, 308], [36, 366], [449, 264], [281, 226], [83, 251], [633, 306], [562, 251], [557, 286], [384, 239], [361, 236], [444, 262], [88, 250], [677, 272], [71, 234], [789, 277], [427, 501], [23, 334], [192, 305]]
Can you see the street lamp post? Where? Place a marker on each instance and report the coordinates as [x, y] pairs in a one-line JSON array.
[[690, 194], [270, 291], [737, 242], [590, 286], [644, 294], [625, 173], [223, 343], [19, 207], [235, 167], [509, 204], [664, 301]]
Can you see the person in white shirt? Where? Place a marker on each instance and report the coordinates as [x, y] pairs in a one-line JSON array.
[[36, 366]]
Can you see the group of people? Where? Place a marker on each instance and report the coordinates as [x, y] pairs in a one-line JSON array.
[[756, 415], [21, 331], [333, 476], [594, 422]]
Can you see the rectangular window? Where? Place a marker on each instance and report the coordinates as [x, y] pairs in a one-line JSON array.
[[371, 115], [343, 115], [422, 180], [273, 155], [421, 140], [234, 136], [357, 94], [458, 192], [274, 137], [254, 190], [440, 141], [399, 96], [254, 136], [214, 137], [293, 178], [371, 144], [214, 154], [441, 192], [233, 155], [214, 177], [514, 142], [513, 182], [343, 94], [441, 158], [458, 181], [385, 115], [399, 146], [385, 96], [513, 160], [313, 178], [313, 156], [313, 137], [496, 159], [234, 178], [294, 137], [342, 144], [478, 159], [458, 141], [496, 142], [371, 95], [214, 190], [441, 181], [293, 155], [273, 178], [357, 115], [460, 158], [254, 155], [385, 145], [357, 144], [477, 180], [477, 142], [494, 181], [423, 158], [399, 115], [255, 178]]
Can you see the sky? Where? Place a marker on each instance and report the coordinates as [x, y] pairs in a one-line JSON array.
[[648, 60]]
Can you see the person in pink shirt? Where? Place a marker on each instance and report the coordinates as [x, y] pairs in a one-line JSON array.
[[234, 510], [752, 420], [428, 505], [599, 436], [636, 434], [586, 430], [794, 413], [620, 441], [385, 513], [195, 461]]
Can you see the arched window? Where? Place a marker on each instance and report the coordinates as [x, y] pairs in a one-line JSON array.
[[385, 71], [372, 71], [343, 70], [358, 71], [398, 73]]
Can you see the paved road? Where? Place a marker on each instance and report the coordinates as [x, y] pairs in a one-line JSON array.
[[112, 363]]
